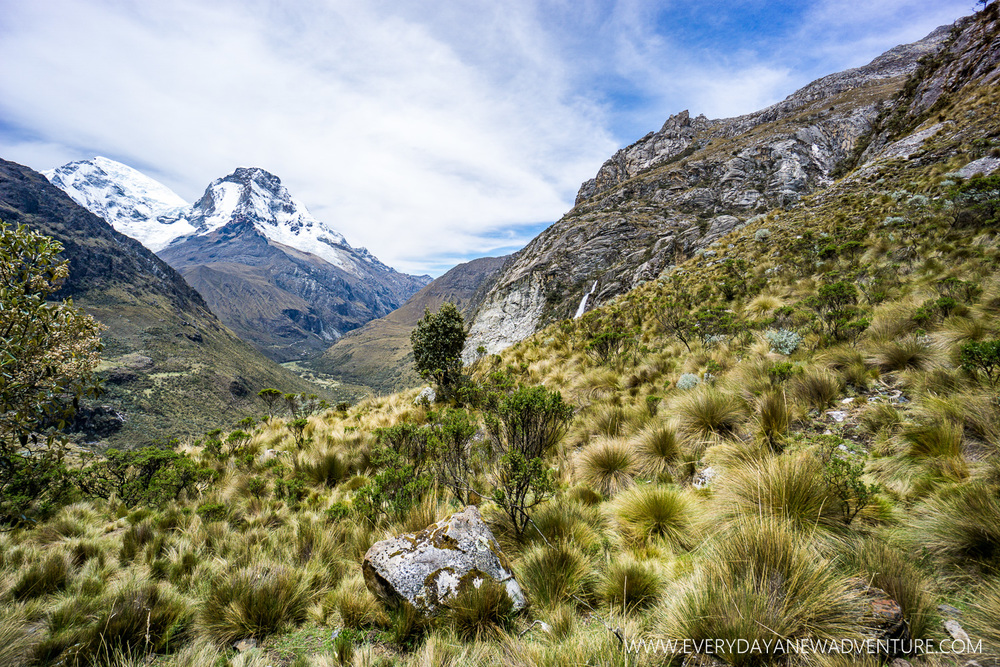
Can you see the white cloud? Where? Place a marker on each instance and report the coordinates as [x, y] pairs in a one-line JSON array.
[[420, 129]]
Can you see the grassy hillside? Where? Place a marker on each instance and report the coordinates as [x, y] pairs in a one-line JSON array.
[[379, 354], [787, 433]]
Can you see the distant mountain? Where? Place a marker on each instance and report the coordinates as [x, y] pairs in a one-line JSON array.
[[171, 368], [379, 354], [273, 273]]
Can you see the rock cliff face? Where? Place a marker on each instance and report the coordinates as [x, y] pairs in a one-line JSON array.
[[677, 190]]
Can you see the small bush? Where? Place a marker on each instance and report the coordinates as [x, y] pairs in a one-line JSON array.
[[983, 358], [608, 466], [688, 381], [255, 601], [783, 341]]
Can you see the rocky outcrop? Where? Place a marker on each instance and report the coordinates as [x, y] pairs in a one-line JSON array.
[[429, 568], [678, 190]]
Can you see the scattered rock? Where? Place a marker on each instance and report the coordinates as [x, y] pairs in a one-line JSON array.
[[837, 415], [704, 477], [847, 401], [426, 395], [883, 618], [245, 644], [948, 610], [956, 632], [428, 568], [984, 166], [899, 662]]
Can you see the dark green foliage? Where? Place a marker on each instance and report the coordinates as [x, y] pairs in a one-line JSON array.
[[982, 357], [147, 476], [843, 466], [676, 321], [835, 305], [270, 398], [977, 202], [523, 426], [610, 345], [712, 321], [437, 343], [210, 512], [298, 429], [401, 458], [48, 351]]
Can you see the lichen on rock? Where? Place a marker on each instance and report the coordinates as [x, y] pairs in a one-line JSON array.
[[429, 568]]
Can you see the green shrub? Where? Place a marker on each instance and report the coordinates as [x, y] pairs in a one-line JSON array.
[[843, 466], [523, 426], [437, 343], [983, 358]]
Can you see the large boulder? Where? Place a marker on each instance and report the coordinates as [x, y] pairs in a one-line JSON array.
[[429, 568]]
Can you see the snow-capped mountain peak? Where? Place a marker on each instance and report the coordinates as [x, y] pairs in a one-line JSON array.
[[129, 200], [255, 195]]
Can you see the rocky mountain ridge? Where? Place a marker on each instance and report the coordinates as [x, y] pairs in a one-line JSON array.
[[281, 279], [676, 191]]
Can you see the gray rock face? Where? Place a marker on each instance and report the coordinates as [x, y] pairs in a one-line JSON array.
[[429, 568], [678, 190]]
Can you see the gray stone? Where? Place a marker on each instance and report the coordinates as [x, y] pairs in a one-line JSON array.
[[429, 568], [957, 633], [427, 394], [984, 166], [837, 415]]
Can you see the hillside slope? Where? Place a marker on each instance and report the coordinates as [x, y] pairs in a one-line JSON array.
[[675, 191], [379, 354], [171, 368]]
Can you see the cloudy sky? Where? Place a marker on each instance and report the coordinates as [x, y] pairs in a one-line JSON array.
[[430, 132]]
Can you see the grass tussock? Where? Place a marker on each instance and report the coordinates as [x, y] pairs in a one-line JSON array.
[[657, 513], [629, 584], [759, 580], [608, 466], [960, 525], [255, 601], [559, 574], [707, 412], [481, 613]]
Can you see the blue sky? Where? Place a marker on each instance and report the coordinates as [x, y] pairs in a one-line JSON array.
[[429, 131]]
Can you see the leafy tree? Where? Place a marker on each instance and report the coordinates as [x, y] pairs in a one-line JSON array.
[[523, 426], [835, 304], [270, 397], [147, 476], [843, 467], [437, 342], [982, 357], [48, 353], [675, 320]]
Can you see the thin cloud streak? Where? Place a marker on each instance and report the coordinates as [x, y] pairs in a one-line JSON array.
[[418, 129]]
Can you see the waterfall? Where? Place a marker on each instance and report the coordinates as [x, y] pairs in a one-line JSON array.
[[583, 301]]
